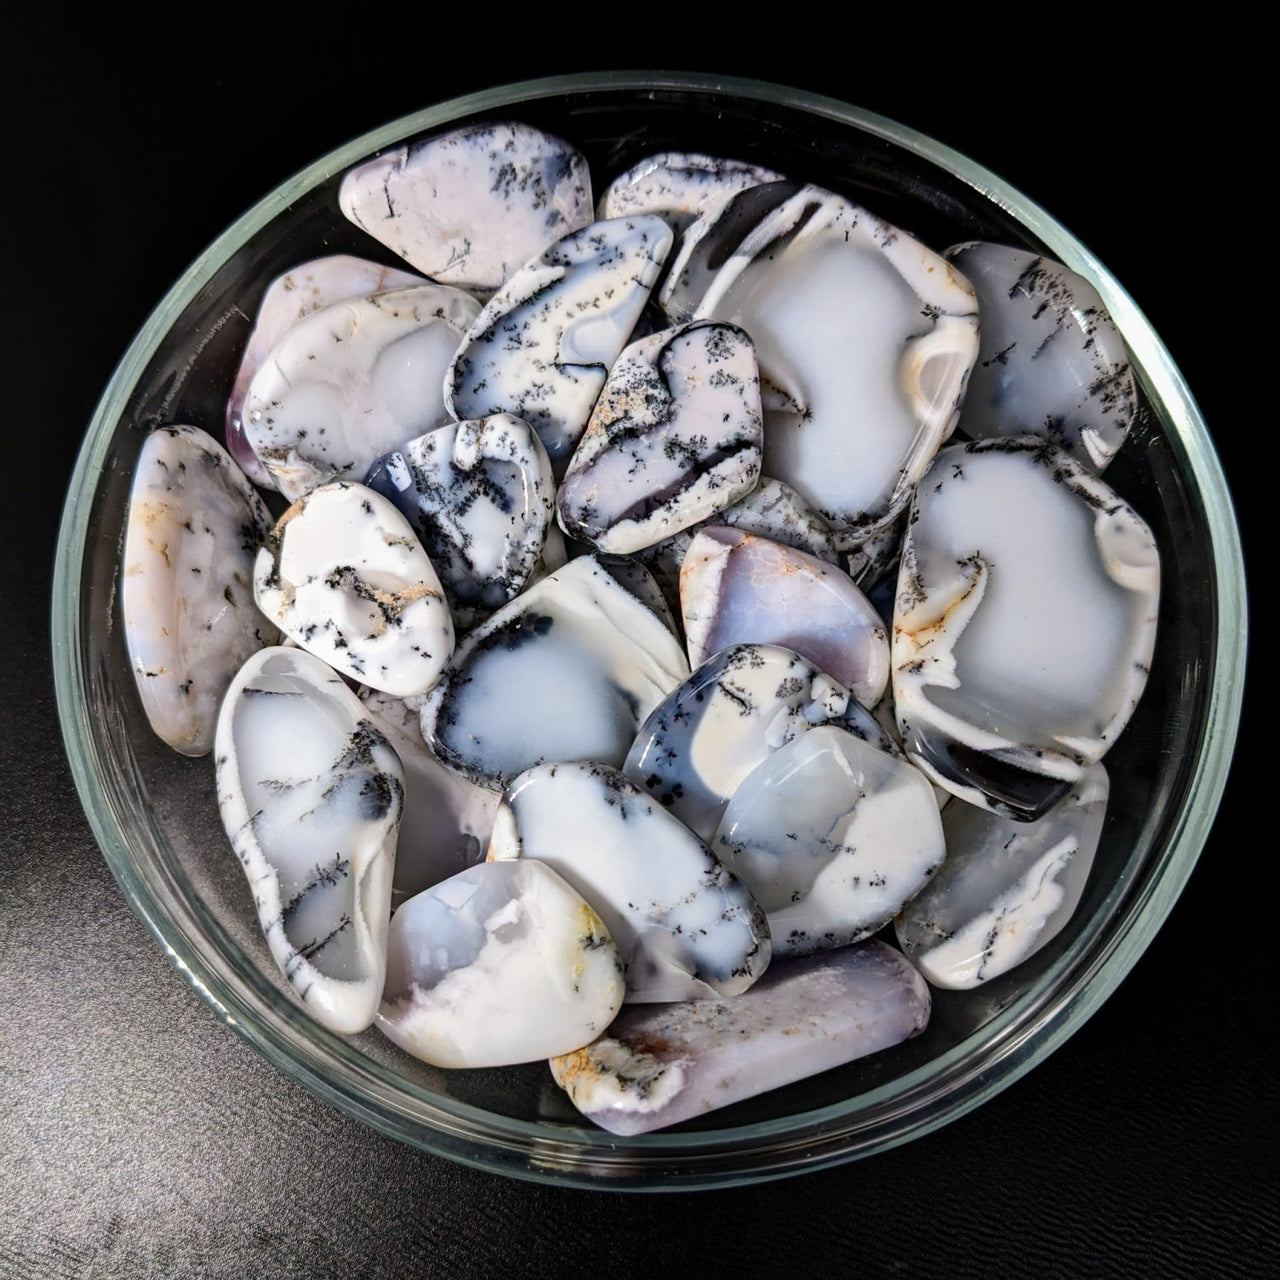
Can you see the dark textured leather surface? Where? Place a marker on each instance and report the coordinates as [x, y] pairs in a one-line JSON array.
[[140, 1137]]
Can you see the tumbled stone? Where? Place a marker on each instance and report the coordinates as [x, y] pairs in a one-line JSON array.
[[679, 186], [831, 836], [661, 1064], [566, 671], [1006, 889], [1024, 624], [480, 496], [343, 575], [311, 795], [1051, 360], [472, 206], [544, 343], [738, 588], [685, 927], [193, 529], [354, 381], [502, 963]]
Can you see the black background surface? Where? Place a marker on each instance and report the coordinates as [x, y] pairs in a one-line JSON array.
[[140, 1136]]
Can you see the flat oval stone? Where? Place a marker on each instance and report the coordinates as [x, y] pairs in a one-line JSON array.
[[566, 671], [311, 796], [737, 588], [661, 1064], [674, 438], [480, 496], [1051, 361], [291, 297], [343, 575], [1006, 889], [353, 381], [543, 346], [472, 206], [193, 529], [502, 963], [686, 928], [1024, 623], [833, 837]]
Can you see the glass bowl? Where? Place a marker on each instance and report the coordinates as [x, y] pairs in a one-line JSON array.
[[155, 815]]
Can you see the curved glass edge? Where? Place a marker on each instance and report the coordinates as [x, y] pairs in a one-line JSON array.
[[522, 1149]]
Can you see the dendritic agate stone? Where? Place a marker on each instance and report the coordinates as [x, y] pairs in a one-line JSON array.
[[866, 336], [832, 836], [289, 298], [1051, 361], [480, 496], [674, 438], [193, 529], [311, 795], [631, 574], [679, 186], [499, 964], [661, 1064], [343, 575], [472, 206], [1006, 889], [1024, 623], [737, 588], [354, 381], [447, 820], [698, 745], [686, 928], [566, 671], [544, 343]]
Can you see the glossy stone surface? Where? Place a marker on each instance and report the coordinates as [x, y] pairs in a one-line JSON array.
[[674, 438], [832, 836], [353, 381], [1024, 623], [679, 186], [472, 206], [499, 964], [544, 343], [661, 1064], [480, 496], [1006, 889], [1051, 360], [311, 795], [186, 593], [685, 927]]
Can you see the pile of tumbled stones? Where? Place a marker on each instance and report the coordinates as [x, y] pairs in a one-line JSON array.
[[554, 719]]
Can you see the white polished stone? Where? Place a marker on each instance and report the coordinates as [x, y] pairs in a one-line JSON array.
[[679, 186]]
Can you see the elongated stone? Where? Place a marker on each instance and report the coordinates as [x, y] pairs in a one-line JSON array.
[[354, 381], [499, 964], [832, 837], [661, 1064], [480, 496], [311, 796], [1006, 889], [472, 206], [566, 671], [737, 588], [1024, 623], [545, 342], [193, 529], [685, 927], [343, 575], [679, 186]]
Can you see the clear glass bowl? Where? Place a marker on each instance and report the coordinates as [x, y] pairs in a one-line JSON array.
[[155, 813]]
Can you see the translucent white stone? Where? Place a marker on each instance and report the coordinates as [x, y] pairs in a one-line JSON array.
[[193, 529], [679, 186], [661, 1064], [311, 795], [343, 575], [831, 836], [685, 927], [472, 206], [499, 964]]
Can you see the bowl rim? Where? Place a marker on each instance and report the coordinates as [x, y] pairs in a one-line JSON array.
[[1015, 1039]]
